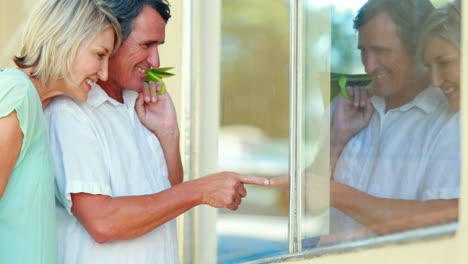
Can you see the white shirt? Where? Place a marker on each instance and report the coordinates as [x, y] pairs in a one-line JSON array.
[[100, 147], [411, 152]]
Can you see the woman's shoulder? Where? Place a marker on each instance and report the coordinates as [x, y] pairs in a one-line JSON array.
[[15, 75], [14, 89], [13, 83]]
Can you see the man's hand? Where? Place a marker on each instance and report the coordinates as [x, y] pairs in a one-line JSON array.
[[351, 115], [156, 111], [226, 189]]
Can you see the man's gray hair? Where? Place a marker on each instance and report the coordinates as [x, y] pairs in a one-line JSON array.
[[408, 16], [127, 10]]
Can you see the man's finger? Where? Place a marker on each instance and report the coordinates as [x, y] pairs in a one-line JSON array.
[[350, 90], [242, 191], [147, 92], [357, 96], [152, 92], [139, 104], [254, 180], [364, 97], [159, 87], [281, 180]]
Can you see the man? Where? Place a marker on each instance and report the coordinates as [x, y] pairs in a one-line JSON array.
[[391, 157], [118, 167]]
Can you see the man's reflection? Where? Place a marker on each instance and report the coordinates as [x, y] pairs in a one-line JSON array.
[[395, 155]]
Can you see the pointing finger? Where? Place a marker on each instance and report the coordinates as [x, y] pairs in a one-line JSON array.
[[254, 180], [281, 180]]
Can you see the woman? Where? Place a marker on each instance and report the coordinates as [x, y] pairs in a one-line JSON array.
[[66, 46], [441, 51]]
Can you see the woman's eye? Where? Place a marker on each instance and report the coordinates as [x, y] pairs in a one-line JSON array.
[[101, 55]]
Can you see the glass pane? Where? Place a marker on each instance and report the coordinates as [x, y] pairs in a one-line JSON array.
[[397, 154], [254, 125]]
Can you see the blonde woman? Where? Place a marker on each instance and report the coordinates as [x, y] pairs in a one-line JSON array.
[[440, 44], [65, 48]]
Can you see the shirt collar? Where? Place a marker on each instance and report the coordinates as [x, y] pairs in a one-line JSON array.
[[429, 100], [98, 96]]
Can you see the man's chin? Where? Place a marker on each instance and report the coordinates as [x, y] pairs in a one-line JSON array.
[[136, 86], [382, 90]]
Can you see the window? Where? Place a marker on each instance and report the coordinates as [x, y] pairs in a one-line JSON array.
[[254, 116], [254, 110]]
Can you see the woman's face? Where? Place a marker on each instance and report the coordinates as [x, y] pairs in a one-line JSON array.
[[90, 64], [443, 60]]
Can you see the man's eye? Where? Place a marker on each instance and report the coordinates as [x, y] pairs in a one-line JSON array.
[[444, 63], [380, 51]]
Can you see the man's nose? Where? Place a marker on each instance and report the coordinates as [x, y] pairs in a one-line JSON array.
[[370, 63], [153, 58]]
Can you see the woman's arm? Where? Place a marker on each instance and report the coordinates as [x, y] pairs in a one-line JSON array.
[[11, 140]]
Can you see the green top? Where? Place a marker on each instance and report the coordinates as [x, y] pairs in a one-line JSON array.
[[27, 208]]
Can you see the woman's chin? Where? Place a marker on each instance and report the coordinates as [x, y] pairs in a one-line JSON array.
[[79, 97]]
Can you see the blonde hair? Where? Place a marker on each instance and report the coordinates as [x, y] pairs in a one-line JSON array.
[[54, 32], [444, 22]]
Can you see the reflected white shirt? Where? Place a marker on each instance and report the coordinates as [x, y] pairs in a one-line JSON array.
[[411, 152], [100, 147]]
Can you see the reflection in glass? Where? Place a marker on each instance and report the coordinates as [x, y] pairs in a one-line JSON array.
[[397, 170], [394, 156]]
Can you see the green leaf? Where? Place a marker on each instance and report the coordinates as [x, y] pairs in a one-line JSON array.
[[342, 83], [161, 72], [156, 75]]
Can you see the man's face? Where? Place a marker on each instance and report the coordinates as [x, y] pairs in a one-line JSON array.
[[385, 57], [139, 52]]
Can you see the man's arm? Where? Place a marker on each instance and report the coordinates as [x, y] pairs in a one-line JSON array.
[[390, 215], [122, 218], [158, 114], [11, 140], [170, 146], [349, 117]]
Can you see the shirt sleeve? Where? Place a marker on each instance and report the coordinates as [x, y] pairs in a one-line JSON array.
[[12, 94], [442, 177], [80, 164], [14, 97]]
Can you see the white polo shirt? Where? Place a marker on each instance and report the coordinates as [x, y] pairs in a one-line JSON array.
[[411, 152], [100, 147]]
